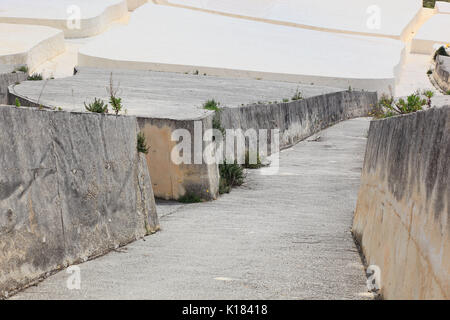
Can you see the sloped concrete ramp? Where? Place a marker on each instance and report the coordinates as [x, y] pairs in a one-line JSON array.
[[285, 236]]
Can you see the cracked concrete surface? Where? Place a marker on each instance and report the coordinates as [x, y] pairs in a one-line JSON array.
[[285, 236]]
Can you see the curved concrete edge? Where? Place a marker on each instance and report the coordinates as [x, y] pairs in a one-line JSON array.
[[39, 53], [296, 120], [300, 119], [441, 73], [385, 85], [8, 76], [403, 211], [89, 26], [403, 36], [171, 181], [73, 187]]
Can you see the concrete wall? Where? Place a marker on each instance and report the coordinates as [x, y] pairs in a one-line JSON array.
[[8, 77], [72, 187], [402, 214], [170, 181], [442, 72], [296, 121], [300, 119]]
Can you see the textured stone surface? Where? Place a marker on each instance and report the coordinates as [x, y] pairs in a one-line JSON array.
[[165, 102], [285, 236], [72, 186], [403, 211], [159, 94], [8, 77], [170, 180], [442, 72], [302, 118]]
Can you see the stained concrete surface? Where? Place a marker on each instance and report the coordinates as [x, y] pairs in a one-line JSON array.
[[9, 76], [403, 209], [285, 236], [72, 186]]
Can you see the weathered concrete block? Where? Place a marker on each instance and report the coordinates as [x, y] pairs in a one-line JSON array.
[[72, 186], [8, 77], [170, 180], [403, 211], [442, 72]]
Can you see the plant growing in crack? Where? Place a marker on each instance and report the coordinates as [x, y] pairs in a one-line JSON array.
[[114, 100], [190, 198], [98, 106], [35, 77], [428, 94], [388, 106], [297, 96], [23, 69], [142, 143]]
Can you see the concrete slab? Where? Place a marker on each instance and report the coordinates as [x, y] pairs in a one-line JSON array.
[[442, 7], [350, 16], [30, 45], [160, 94], [182, 40], [434, 31], [296, 244], [94, 16], [414, 75]]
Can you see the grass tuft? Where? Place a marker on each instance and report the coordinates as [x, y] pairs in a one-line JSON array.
[[142, 143], [190, 198], [98, 106], [212, 105], [35, 77]]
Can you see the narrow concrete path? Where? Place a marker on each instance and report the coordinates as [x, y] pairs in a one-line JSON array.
[[285, 236], [414, 76]]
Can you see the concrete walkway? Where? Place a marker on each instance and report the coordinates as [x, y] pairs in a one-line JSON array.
[[285, 236], [414, 75]]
